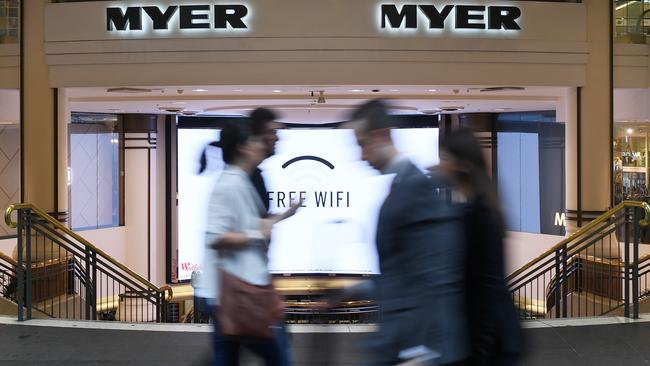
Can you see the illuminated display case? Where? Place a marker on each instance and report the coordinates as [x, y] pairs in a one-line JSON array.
[[631, 164]]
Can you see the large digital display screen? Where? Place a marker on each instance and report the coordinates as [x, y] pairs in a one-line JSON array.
[[334, 230]]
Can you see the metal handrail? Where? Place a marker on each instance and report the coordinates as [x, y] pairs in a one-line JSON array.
[[7, 258], [585, 229], [165, 290]]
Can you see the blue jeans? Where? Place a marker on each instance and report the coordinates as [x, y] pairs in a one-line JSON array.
[[274, 352]]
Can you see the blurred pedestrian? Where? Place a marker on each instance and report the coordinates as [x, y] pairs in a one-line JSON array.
[[496, 337], [419, 244], [237, 243], [264, 126]]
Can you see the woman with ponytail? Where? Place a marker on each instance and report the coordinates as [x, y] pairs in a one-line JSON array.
[[237, 237]]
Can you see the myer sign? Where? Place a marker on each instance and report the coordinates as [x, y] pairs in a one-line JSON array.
[[461, 17], [176, 17]]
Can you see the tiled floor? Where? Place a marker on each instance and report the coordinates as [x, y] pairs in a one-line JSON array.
[[51, 342]]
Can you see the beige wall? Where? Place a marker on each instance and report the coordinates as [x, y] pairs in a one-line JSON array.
[[632, 65], [9, 66], [39, 163], [520, 248], [314, 42], [595, 109], [135, 208], [7, 246], [113, 241]]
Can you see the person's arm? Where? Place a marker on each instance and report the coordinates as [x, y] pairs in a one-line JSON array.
[[223, 212]]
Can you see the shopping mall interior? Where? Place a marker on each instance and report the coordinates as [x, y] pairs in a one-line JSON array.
[[105, 111]]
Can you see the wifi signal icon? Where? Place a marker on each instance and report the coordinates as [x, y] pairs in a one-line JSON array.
[[308, 172]]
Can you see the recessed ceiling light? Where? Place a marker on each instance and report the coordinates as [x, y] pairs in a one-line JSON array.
[[355, 90], [432, 90], [237, 90], [393, 90], [199, 90], [277, 91], [179, 103]]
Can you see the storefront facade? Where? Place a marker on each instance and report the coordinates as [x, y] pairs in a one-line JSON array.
[[561, 45]]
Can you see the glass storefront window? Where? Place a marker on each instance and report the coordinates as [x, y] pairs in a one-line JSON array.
[[630, 162], [632, 20], [94, 171], [9, 11]]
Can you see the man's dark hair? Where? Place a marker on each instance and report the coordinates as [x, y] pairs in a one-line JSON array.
[[374, 115], [259, 118]]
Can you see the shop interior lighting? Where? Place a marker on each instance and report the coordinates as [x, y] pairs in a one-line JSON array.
[[432, 90], [277, 91], [355, 90], [630, 131], [199, 90]]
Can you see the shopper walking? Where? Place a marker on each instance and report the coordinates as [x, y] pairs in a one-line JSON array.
[[496, 337], [237, 240], [418, 238]]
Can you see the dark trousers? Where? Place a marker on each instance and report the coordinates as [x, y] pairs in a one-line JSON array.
[[274, 352]]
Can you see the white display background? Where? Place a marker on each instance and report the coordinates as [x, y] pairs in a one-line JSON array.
[[334, 231]]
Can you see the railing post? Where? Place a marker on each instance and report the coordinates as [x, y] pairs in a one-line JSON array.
[[20, 288], [94, 285], [159, 302], [564, 285], [557, 284], [635, 267], [626, 263], [28, 263], [88, 290]]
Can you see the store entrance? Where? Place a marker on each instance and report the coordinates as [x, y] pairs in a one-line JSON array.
[[520, 129]]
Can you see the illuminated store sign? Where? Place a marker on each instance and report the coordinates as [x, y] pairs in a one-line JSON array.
[[188, 17], [465, 16]]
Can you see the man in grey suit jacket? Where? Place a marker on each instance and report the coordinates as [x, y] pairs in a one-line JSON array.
[[419, 242]]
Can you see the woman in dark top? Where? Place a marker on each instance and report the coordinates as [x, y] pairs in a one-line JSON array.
[[496, 336]]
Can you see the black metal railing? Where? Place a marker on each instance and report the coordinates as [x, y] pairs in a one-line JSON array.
[[349, 312], [591, 273], [8, 277], [644, 277], [65, 276]]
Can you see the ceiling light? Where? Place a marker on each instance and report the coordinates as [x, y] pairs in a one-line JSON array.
[[7, 123], [630, 131], [277, 91], [393, 90], [237, 90], [199, 90], [355, 90], [179, 103], [502, 109], [432, 90]]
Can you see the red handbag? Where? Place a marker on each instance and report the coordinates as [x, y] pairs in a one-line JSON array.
[[247, 310]]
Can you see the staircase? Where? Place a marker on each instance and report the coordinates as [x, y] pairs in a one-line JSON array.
[[596, 271], [65, 276]]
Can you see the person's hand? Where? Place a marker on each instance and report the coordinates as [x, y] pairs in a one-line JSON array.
[[292, 210], [266, 227], [288, 213]]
